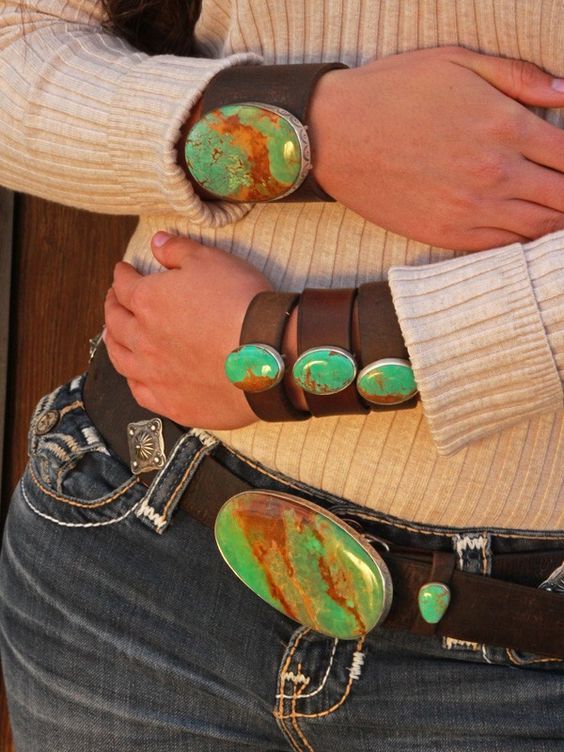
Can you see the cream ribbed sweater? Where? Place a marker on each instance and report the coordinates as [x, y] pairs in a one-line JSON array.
[[88, 121]]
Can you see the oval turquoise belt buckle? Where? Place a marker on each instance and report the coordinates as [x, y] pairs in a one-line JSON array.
[[305, 562]]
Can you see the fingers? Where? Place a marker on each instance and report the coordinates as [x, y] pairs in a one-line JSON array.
[[171, 250], [487, 238], [126, 281], [527, 219], [143, 396], [540, 185], [543, 143], [518, 79], [120, 323]]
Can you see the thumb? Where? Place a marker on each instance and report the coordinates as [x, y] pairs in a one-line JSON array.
[[169, 250], [520, 80]]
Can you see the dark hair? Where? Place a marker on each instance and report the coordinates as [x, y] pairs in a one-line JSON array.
[[154, 26]]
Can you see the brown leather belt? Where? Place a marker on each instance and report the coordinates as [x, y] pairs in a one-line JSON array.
[[505, 609]]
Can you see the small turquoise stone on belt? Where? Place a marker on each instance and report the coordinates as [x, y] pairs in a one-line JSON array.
[[389, 381], [433, 601], [254, 368], [324, 370]]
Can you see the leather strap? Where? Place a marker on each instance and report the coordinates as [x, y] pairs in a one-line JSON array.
[[325, 318], [483, 609], [265, 322], [287, 86], [378, 332]]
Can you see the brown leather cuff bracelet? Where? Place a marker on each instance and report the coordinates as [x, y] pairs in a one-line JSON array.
[[251, 143], [326, 368], [386, 380], [264, 325]]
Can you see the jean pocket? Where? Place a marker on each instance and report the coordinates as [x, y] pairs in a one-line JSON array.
[[72, 478]]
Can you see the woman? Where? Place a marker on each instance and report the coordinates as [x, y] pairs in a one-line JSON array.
[[436, 147]]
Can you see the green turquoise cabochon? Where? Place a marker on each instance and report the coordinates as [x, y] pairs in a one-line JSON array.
[[389, 381], [248, 152], [254, 367], [324, 370], [305, 562], [433, 601]]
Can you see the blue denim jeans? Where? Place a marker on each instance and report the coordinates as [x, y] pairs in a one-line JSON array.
[[123, 630]]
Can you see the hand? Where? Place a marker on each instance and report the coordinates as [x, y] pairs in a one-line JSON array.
[[169, 333], [436, 146]]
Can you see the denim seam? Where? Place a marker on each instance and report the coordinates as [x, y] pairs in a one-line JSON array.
[[160, 519], [353, 675], [72, 406], [290, 676], [294, 715], [512, 656], [87, 505], [74, 524]]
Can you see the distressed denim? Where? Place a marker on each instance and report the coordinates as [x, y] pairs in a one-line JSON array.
[[123, 630]]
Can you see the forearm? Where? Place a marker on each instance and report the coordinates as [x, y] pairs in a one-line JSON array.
[[89, 121]]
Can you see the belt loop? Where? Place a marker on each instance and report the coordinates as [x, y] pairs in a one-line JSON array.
[[442, 569]]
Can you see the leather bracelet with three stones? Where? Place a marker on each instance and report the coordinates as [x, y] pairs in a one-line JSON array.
[[351, 354]]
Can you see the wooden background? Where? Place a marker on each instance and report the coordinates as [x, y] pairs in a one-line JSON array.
[[61, 268]]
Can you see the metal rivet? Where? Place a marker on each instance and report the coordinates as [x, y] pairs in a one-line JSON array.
[[47, 421]]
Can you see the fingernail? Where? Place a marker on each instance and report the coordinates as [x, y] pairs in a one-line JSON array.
[[161, 238], [558, 84]]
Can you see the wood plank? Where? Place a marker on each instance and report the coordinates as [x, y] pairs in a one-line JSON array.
[[6, 221], [63, 262]]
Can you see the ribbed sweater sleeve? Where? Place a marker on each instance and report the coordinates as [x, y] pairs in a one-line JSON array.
[[91, 122], [485, 333]]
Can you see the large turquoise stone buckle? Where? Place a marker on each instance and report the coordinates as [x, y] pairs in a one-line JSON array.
[[305, 562], [248, 152], [254, 367], [324, 370], [389, 381]]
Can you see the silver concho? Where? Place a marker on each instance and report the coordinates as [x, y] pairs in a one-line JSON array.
[[146, 446]]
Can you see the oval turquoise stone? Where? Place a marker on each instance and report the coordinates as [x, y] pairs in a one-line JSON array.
[[433, 600], [244, 152], [387, 382], [324, 370], [253, 368], [303, 564]]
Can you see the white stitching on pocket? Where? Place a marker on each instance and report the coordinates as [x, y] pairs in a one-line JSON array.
[[75, 524]]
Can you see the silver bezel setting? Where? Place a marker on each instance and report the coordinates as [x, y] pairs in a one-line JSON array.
[[301, 134]]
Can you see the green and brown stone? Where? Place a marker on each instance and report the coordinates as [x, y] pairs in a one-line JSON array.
[[253, 368], [244, 152], [324, 370], [303, 563], [387, 382]]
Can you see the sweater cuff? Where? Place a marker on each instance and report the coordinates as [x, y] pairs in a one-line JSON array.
[[478, 344], [151, 104]]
